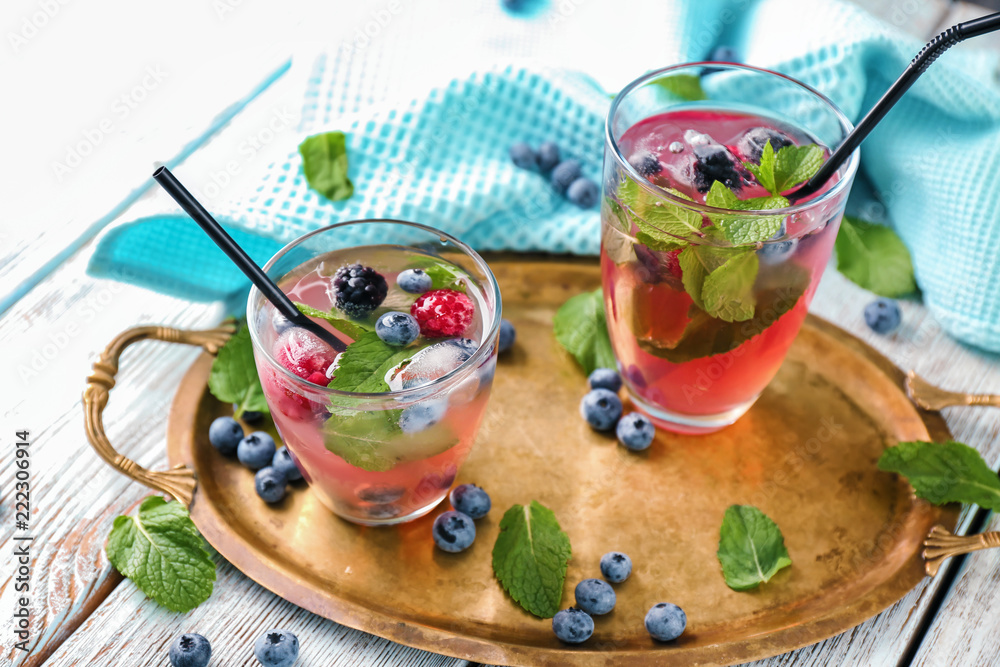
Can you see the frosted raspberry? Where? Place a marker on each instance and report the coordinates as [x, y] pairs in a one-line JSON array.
[[443, 312], [305, 355]]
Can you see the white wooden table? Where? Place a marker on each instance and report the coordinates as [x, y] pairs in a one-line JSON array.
[[83, 612]]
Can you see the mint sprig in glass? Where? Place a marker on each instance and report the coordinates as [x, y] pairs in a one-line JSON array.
[[708, 268]]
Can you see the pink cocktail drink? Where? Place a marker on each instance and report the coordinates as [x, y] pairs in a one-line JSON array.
[[389, 451], [708, 264]]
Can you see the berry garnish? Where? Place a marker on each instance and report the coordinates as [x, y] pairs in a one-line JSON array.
[[397, 329], [358, 290], [305, 355], [414, 281], [751, 144], [715, 163], [646, 164], [443, 312]]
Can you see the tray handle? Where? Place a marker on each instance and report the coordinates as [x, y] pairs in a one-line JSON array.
[[178, 482], [941, 545]]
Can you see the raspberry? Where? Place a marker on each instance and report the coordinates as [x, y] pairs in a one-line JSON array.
[[305, 355], [358, 290], [443, 312]]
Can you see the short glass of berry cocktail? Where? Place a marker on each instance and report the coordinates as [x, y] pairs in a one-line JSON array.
[[381, 427], [708, 260]]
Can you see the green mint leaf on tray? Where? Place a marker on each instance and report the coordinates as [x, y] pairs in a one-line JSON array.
[[875, 258], [350, 328], [751, 548], [727, 292], [949, 472], [744, 229], [324, 163], [530, 558], [796, 164], [685, 86], [361, 368], [162, 552], [234, 378], [581, 328]]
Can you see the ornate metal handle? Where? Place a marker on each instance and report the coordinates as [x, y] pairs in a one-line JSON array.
[[929, 397], [940, 544], [179, 482]]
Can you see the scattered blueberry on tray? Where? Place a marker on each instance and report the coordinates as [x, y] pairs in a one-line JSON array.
[[190, 650], [454, 531], [249, 416], [471, 500], [507, 336], [605, 378], [883, 316], [595, 597], [285, 464], [276, 648], [270, 484], [635, 431], [665, 622], [601, 408], [572, 625], [616, 566], [225, 434], [256, 450]]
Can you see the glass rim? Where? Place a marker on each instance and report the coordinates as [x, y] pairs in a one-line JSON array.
[[847, 171], [423, 390]]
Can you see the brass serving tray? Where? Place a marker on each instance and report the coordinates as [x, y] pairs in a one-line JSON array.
[[805, 454]]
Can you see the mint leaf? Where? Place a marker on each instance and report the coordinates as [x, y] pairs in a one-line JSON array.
[[234, 378], [684, 86], [361, 368], [764, 173], [372, 440], [324, 163], [796, 164], [875, 258], [751, 548], [728, 290], [350, 328], [581, 328], [530, 558], [739, 229], [697, 262], [162, 552], [950, 472], [662, 225]]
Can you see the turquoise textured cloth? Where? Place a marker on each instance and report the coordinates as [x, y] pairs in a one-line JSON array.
[[441, 158]]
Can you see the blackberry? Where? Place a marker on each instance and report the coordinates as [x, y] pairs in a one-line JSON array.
[[752, 143], [647, 164], [358, 290], [714, 163]]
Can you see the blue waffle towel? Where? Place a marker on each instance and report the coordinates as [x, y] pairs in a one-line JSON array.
[[441, 159]]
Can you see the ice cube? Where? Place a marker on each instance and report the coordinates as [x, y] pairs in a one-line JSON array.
[[431, 363]]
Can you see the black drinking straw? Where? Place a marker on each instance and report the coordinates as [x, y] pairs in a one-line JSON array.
[[921, 62], [239, 257]]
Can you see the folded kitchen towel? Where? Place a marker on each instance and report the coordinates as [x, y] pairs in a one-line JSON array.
[[440, 157]]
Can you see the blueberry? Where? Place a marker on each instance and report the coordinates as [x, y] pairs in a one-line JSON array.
[[454, 531], [665, 621], [397, 329], [507, 336], [548, 155], [270, 484], [470, 499], [523, 156], [883, 315], [572, 625], [635, 431], [276, 648], [381, 494], [285, 464], [249, 416], [190, 650], [752, 143], [646, 164], [583, 192], [280, 323], [605, 378], [256, 450], [225, 434], [595, 597], [414, 281], [616, 566], [776, 251], [601, 408], [423, 415], [714, 162], [564, 174]]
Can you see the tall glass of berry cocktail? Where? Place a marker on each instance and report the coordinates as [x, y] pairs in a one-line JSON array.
[[381, 427], [709, 262]]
